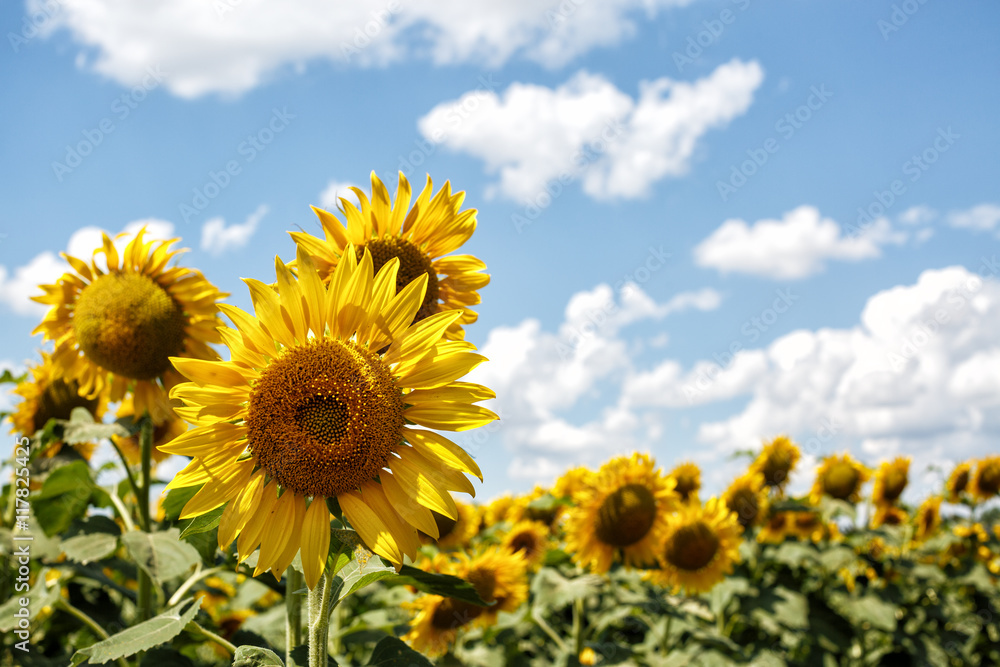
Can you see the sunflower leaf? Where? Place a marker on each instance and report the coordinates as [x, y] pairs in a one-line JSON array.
[[7, 377], [444, 585], [162, 555], [89, 548], [392, 652], [141, 637], [81, 427], [254, 656], [64, 497], [555, 591]]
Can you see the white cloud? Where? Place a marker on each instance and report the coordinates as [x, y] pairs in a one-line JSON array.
[[329, 199], [18, 286], [231, 47], [984, 217], [917, 215], [218, 238], [589, 129], [796, 246]]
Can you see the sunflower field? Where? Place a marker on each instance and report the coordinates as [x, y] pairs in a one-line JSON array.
[[321, 518]]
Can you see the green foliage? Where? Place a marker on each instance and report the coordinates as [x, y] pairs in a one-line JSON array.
[[162, 555], [140, 637], [254, 656]]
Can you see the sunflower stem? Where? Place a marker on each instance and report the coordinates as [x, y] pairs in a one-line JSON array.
[[578, 625], [145, 600], [198, 575], [65, 606], [536, 616], [293, 612], [666, 635], [128, 471], [319, 620], [208, 634]]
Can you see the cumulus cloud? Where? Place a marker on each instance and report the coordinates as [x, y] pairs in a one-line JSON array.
[[231, 47], [329, 199], [18, 285], [217, 237], [984, 217], [797, 246], [587, 128]]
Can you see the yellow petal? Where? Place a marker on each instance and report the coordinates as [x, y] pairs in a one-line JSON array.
[[436, 370], [437, 447], [275, 535], [450, 416], [370, 526], [205, 372], [288, 555], [312, 290], [240, 509], [268, 308], [419, 338], [290, 298], [219, 490], [413, 513], [419, 485], [315, 541], [250, 535]]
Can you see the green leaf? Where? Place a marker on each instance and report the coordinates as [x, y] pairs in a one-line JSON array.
[[392, 652], [141, 637], [8, 377], [445, 585], [89, 548], [254, 656], [175, 500], [162, 555], [81, 427], [204, 523], [39, 596], [794, 554], [870, 609], [64, 497], [356, 575], [833, 558], [555, 591]]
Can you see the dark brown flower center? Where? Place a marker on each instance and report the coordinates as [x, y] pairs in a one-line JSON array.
[[692, 547], [626, 516], [841, 480], [412, 263], [57, 401]]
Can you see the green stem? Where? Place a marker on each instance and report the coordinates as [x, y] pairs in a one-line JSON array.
[[146, 449], [65, 606], [319, 620], [198, 575], [666, 635], [578, 625], [208, 634], [122, 510], [293, 612], [128, 470], [547, 629]]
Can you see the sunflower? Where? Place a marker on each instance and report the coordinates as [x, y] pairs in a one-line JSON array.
[[419, 237], [116, 330], [455, 533], [928, 518], [958, 482], [809, 525], [496, 510], [47, 396], [699, 547], [985, 482], [840, 477], [889, 515], [747, 498], [530, 538], [777, 461], [307, 410], [499, 578], [572, 481], [625, 510], [890, 480], [163, 433], [687, 477], [539, 505], [778, 526]]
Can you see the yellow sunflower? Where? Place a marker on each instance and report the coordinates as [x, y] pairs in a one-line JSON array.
[[572, 481], [626, 511], [747, 498], [840, 477], [890, 480], [985, 483], [420, 237], [776, 462], [958, 482], [809, 525], [687, 478], [496, 510], [928, 518], [163, 433], [699, 547], [116, 330], [47, 396], [889, 515], [455, 533], [311, 408], [539, 505], [530, 538], [777, 527]]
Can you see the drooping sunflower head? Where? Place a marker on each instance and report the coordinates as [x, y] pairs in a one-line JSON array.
[[777, 527], [747, 498], [809, 525], [455, 533], [163, 432], [625, 511], [928, 518], [118, 328], [47, 396], [499, 577], [687, 480], [777, 461], [840, 477], [419, 238], [958, 482], [890, 480], [889, 515], [699, 547], [530, 538], [324, 397], [986, 480]]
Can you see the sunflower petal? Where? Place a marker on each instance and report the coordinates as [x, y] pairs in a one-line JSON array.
[[315, 541]]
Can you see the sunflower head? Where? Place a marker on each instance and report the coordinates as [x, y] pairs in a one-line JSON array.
[[497, 510], [47, 396], [626, 511], [699, 547], [118, 322], [776, 461], [890, 480], [499, 577], [747, 498], [986, 480], [958, 482], [778, 526], [324, 397], [889, 515], [455, 533], [840, 477], [687, 481], [419, 238], [530, 538], [928, 518], [572, 481]]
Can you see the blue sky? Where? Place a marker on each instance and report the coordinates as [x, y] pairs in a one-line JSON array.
[[619, 295]]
